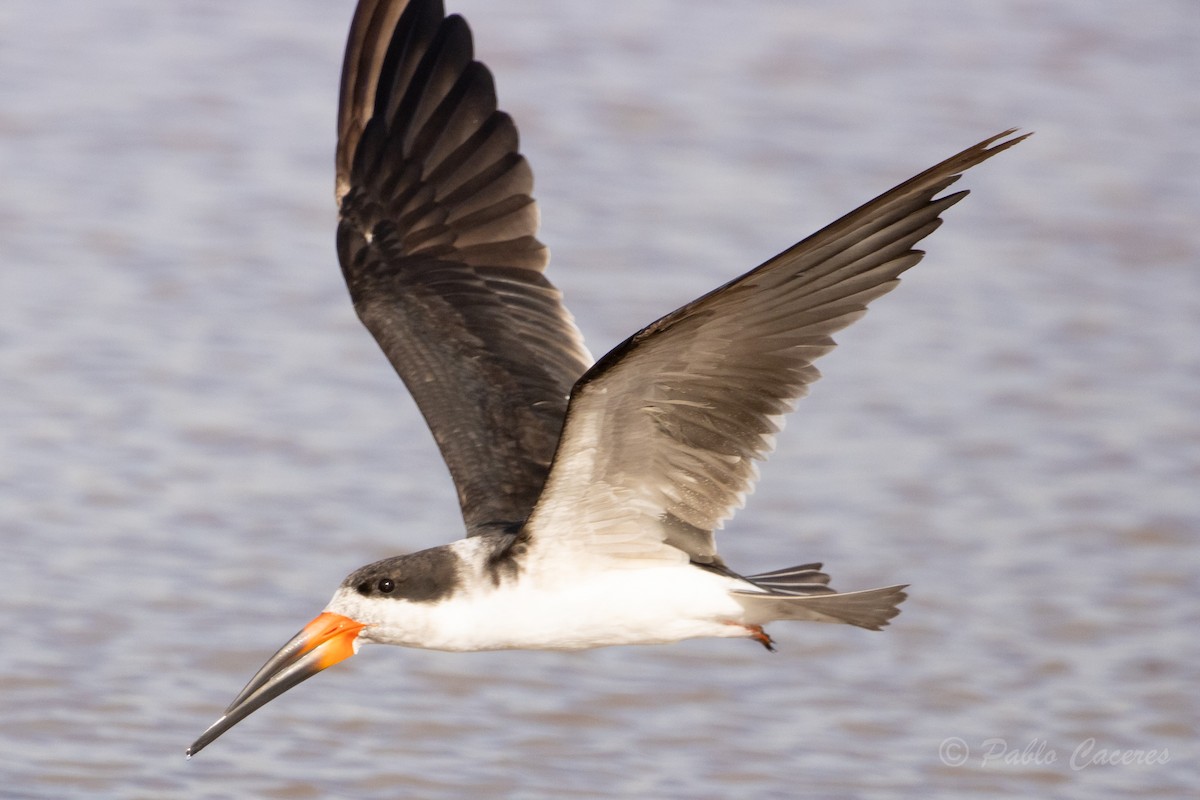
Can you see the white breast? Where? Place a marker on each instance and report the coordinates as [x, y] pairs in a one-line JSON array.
[[653, 605]]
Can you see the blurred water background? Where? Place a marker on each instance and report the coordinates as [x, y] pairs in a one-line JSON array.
[[198, 440]]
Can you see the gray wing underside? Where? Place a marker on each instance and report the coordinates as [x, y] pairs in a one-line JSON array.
[[436, 239], [664, 433]]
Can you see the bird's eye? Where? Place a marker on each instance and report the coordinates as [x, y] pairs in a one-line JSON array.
[[387, 585]]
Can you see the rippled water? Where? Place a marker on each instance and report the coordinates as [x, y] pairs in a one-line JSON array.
[[197, 440]]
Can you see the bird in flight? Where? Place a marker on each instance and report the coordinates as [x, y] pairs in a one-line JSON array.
[[590, 491]]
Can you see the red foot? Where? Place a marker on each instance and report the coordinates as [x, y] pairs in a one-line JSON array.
[[762, 637]]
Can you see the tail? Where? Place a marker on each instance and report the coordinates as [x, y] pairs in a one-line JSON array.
[[805, 579], [801, 593]]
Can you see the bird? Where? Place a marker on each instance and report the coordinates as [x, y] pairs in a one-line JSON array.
[[590, 491]]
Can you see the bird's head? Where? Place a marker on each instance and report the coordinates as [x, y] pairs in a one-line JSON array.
[[373, 604]]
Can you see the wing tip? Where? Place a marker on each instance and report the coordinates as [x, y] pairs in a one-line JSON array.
[[990, 147]]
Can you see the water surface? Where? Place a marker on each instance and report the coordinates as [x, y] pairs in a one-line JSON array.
[[198, 440]]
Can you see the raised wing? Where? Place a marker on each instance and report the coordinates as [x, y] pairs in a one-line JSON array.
[[663, 433], [437, 244]]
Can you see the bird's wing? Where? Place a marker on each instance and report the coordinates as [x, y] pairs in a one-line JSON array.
[[436, 239], [663, 433]]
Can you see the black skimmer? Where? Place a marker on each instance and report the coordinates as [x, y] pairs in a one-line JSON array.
[[590, 492]]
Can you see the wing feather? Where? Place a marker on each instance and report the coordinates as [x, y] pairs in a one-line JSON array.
[[437, 241], [663, 433]]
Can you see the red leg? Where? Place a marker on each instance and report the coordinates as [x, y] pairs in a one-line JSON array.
[[762, 637], [756, 633]]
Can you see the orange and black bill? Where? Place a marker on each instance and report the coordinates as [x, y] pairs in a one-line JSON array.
[[325, 641]]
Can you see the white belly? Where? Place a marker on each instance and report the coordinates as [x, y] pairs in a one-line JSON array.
[[612, 607]]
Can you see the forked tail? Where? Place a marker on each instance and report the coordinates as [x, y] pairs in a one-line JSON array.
[[801, 593]]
